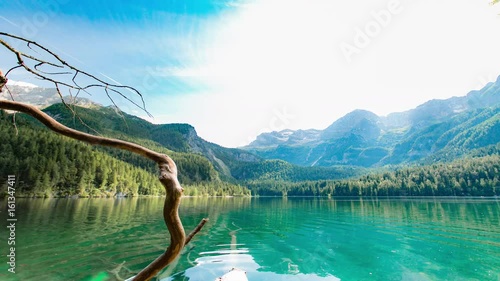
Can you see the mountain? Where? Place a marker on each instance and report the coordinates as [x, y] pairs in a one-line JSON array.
[[94, 118], [49, 165], [436, 110], [232, 165], [362, 123], [39, 96], [436, 130], [175, 137], [290, 137]]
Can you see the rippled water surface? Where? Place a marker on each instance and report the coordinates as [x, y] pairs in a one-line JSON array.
[[270, 238]]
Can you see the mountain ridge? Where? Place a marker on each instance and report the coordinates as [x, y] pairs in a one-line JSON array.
[[41, 97], [363, 138], [360, 138]]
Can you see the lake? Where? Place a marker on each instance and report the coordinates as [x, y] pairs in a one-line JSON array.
[[270, 238]]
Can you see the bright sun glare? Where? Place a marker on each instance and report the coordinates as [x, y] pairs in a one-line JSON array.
[[266, 58]]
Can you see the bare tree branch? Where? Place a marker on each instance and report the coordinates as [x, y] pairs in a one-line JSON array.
[[56, 79], [167, 167], [3, 80], [64, 69], [196, 230]]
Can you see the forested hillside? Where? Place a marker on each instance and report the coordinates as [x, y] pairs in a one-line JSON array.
[[175, 137], [471, 176], [47, 164], [231, 164]]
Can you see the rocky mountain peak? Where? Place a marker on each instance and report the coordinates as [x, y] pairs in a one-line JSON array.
[[359, 122]]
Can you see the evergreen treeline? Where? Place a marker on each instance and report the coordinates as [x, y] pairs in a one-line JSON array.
[[279, 170], [47, 164], [465, 177]]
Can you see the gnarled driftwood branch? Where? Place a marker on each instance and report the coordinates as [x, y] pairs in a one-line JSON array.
[[167, 167], [168, 178]]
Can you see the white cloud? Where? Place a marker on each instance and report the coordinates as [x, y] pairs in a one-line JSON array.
[[228, 74], [273, 54]]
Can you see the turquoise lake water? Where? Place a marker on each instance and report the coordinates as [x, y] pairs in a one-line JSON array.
[[270, 238]]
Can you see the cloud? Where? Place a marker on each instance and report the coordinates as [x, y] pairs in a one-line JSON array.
[[273, 54], [228, 72]]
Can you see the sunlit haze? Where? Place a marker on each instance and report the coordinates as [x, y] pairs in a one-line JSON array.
[[234, 69]]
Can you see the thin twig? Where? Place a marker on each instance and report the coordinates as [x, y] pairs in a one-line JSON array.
[[102, 83], [196, 230], [43, 75]]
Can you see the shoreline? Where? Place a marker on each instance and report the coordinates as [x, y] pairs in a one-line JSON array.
[[260, 196]]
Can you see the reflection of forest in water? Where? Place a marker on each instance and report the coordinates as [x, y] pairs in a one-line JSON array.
[[131, 211], [281, 238], [310, 236]]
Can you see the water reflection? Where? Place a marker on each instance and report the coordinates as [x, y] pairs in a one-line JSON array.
[[326, 239], [270, 238], [209, 268], [215, 263]]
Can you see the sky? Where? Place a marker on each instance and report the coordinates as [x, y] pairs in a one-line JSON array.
[[236, 68]]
